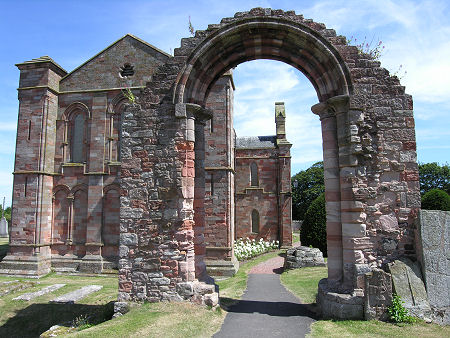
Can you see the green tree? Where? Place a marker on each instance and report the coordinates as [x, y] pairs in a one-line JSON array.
[[434, 176], [436, 199], [307, 185], [314, 228], [6, 213]]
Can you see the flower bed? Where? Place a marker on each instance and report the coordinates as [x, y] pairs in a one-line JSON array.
[[248, 248]]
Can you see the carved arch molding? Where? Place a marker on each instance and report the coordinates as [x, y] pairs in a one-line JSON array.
[[371, 180]]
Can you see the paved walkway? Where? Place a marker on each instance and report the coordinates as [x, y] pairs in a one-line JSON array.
[[266, 309]]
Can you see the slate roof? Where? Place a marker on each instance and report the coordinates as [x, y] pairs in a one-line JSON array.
[[256, 142]]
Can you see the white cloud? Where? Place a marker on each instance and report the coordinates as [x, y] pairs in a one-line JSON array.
[[8, 126]]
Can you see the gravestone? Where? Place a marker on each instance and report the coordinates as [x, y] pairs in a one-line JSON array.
[[3, 227], [408, 284]]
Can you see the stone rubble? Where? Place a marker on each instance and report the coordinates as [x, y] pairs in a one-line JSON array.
[[302, 256]]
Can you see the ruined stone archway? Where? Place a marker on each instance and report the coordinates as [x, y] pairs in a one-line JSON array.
[[372, 190]]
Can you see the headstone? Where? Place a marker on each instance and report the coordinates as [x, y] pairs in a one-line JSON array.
[[408, 284], [378, 294], [433, 250], [3, 227], [302, 256], [31, 295], [76, 295]]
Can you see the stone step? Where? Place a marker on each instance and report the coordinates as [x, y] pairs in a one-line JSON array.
[[31, 295], [76, 295]]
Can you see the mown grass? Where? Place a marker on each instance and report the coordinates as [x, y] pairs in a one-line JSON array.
[[373, 328], [303, 283], [29, 319], [160, 320]]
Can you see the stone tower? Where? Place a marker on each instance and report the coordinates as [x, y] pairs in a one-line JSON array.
[[33, 170]]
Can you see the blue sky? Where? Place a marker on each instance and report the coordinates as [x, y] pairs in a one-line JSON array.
[[415, 33]]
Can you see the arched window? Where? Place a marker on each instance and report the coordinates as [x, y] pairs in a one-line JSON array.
[[254, 175], [255, 221], [78, 135]]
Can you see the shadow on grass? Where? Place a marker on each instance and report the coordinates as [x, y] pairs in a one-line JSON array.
[[3, 250], [38, 318], [278, 309]]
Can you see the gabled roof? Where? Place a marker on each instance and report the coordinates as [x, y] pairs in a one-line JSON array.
[[114, 43], [256, 142]]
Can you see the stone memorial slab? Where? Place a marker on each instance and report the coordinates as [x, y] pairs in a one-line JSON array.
[[408, 284], [76, 295], [3, 227], [31, 295]]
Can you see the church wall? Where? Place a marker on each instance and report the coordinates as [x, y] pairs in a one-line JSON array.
[[263, 197]]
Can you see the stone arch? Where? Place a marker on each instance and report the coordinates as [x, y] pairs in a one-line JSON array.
[[115, 111], [303, 44], [255, 221], [111, 221], [76, 132], [79, 218], [61, 206], [263, 37], [368, 146]]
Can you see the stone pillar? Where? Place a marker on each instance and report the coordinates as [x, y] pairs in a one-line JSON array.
[[199, 199], [332, 190], [338, 296], [33, 170], [219, 180], [353, 217], [93, 261]]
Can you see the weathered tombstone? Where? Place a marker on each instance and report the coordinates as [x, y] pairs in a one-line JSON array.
[[408, 284], [378, 295], [3, 227], [433, 252]]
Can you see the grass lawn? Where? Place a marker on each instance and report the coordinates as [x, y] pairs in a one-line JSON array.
[[303, 283], [30, 319]]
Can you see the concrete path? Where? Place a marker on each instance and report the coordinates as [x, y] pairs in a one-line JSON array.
[[266, 309], [31, 295], [76, 295]]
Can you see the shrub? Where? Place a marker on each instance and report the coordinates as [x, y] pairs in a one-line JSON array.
[[248, 248], [397, 312], [314, 228], [436, 199]]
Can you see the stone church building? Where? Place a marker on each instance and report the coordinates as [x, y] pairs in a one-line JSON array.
[[66, 194]]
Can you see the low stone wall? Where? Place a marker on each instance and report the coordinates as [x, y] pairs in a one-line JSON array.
[[433, 252]]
